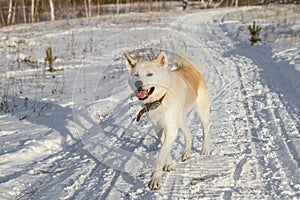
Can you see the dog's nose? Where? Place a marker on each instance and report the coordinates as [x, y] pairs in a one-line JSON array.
[[138, 84]]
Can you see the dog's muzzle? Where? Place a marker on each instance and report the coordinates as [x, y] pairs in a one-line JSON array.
[[143, 94]]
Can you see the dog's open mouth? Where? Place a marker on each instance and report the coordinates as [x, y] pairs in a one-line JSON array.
[[143, 94]]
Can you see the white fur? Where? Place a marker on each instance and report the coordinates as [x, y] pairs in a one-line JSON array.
[[171, 114]]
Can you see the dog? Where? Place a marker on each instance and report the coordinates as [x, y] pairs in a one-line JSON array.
[[167, 96]]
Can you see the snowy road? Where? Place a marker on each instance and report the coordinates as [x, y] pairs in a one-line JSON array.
[[254, 125]]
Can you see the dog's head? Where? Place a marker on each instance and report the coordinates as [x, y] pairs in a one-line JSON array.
[[148, 79]]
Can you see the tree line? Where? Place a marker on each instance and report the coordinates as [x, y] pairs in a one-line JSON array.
[[31, 11]]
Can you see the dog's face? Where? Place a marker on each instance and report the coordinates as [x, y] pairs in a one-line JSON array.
[[150, 79]]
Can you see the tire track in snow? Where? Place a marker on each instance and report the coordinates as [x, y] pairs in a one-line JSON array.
[[231, 94], [273, 151], [286, 160]]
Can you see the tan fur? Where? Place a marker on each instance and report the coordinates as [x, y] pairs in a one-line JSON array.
[[194, 81]]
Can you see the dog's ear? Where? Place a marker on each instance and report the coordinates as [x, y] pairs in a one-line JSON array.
[[162, 59], [130, 62]]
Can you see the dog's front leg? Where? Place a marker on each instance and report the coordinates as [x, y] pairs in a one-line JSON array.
[[169, 134], [168, 167]]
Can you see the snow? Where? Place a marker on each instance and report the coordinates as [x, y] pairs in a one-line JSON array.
[[72, 134]]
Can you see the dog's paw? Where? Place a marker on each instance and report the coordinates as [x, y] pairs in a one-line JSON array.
[[154, 184], [169, 168], [205, 151], [186, 155]]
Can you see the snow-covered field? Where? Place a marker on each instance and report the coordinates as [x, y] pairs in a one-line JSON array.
[[71, 134]]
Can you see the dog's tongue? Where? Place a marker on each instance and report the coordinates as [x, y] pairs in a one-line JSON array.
[[141, 94]]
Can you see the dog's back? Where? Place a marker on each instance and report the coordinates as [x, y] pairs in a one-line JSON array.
[[192, 71], [183, 60]]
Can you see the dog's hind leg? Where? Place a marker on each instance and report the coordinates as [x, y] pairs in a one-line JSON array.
[[188, 140], [203, 110]]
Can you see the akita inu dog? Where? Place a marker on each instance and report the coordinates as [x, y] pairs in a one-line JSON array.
[[167, 97]]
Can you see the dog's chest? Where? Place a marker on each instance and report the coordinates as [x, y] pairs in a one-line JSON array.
[[157, 116]]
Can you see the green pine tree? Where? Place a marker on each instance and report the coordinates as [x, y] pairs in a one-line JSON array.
[[50, 59], [254, 31]]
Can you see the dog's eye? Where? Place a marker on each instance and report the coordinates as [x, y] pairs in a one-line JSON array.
[[136, 75], [149, 74]]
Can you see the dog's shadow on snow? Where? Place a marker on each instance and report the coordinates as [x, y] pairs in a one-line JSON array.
[[130, 139], [115, 138]]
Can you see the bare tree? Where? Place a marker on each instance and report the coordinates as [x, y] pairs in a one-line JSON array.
[[9, 12], [184, 4], [74, 6], [32, 11], [203, 4], [14, 13], [90, 7], [86, 8], [36, 11], [236, 3], [52, 10], [59, 4], [98, 7], [127, 6], [2, 17], [150, 3], [118, 6], [24, 11], [218, 3]]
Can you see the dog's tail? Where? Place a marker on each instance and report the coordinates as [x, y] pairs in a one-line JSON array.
[[183, 60]]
